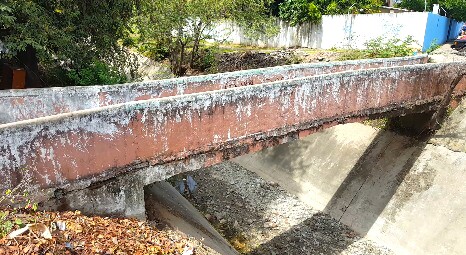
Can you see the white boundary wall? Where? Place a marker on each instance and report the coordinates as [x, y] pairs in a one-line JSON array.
[[336, 31]]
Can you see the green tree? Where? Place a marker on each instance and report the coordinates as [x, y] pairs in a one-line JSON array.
[[456, 9], [300, 11], [182, 24], [417, 5], [65, 34], [6, 17]]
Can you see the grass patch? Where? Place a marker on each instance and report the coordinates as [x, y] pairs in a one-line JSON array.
[[381, 124]]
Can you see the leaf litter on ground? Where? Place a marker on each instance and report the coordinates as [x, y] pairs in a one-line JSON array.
[[74, 233]]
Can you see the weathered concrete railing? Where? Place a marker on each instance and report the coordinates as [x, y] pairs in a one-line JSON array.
[[19, 105], [210, 126]]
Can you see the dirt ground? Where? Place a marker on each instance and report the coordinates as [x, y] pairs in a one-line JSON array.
[[446, 54], [241, 60]]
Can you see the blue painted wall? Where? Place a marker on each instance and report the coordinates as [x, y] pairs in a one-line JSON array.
[[455, 28], [437, 29]]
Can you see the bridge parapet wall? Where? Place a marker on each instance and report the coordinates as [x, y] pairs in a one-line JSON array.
[[205, 128], [17, 105]]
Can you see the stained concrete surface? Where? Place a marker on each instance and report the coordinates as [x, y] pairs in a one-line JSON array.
[[65, 148], [406, 194], [121, 197], [324, 159], [452, 135], [20, 105]]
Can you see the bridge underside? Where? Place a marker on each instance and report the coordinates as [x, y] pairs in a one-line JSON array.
[[150, 140]]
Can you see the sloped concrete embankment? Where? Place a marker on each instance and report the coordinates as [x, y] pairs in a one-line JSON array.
[[167, 206], [406, 194]]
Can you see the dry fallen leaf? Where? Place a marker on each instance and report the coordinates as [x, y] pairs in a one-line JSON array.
[[76, 233]]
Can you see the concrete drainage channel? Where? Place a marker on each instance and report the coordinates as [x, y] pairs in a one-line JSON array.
[[350, 189]]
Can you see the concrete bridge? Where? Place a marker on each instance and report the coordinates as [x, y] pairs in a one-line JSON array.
[[81, 139]]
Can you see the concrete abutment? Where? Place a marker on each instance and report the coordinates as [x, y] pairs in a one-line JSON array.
[[120, 197]]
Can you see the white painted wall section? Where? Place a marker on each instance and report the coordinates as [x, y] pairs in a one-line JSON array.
[[335, 31]]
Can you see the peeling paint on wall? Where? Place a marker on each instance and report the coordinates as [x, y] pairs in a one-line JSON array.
[[112, 140], [17, 105]]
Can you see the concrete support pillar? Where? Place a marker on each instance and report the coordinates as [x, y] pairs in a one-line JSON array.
[[123, 197], [134, 199]]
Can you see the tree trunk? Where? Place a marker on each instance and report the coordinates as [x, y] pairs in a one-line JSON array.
[[181, 68], [197, 38]]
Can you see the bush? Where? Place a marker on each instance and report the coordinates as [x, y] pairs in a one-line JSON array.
[[128, 42], [18, 201], [353, 54], [55, 75], [208, 59], [433, 46], [393, 47], [379, 48], [155, 51], [298, 12], [97, 73]]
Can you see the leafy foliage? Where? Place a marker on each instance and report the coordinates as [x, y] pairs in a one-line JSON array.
[[456, 9], [298, 12], [97, 72], [182, 25], [16, 199], [417, 5], [153, 50], [433, 46], [393, 47], [6, 17], [5, 225], [380, 48], [67, 33], [208, 60]]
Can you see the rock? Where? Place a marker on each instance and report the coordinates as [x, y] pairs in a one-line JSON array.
[[273, 184], [219, 215], [270, 224], [269, 213]]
